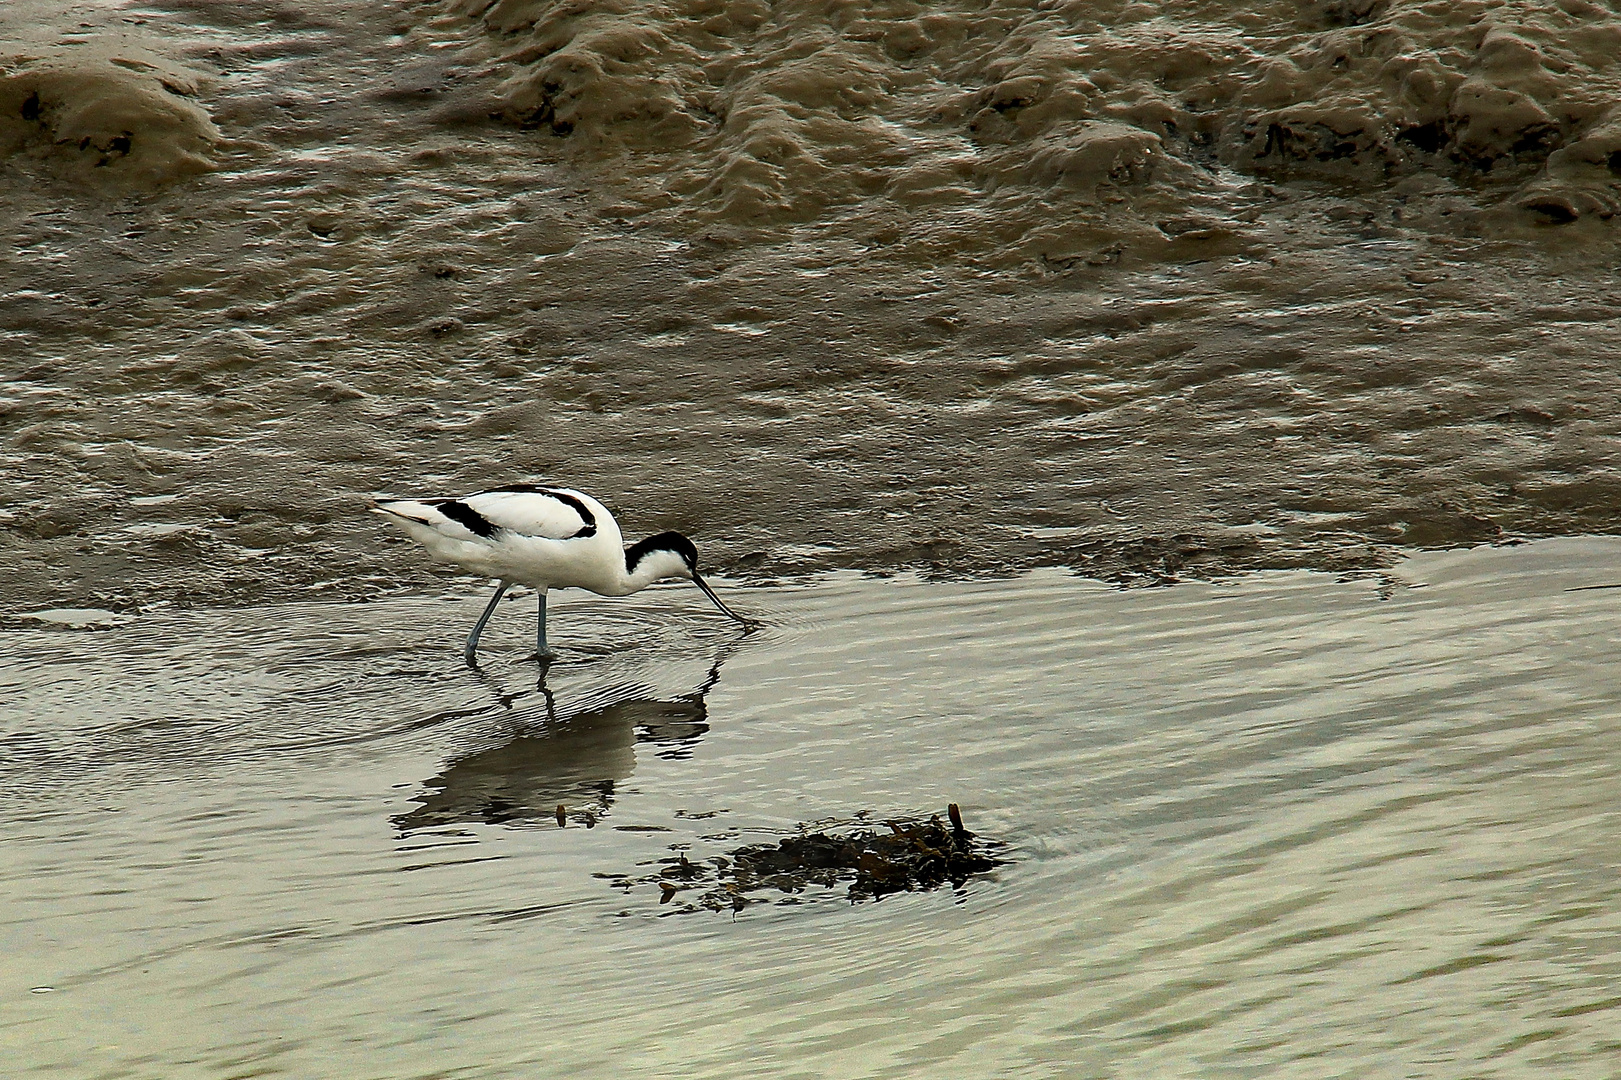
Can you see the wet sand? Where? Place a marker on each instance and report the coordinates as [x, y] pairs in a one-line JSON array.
[[387, 284]]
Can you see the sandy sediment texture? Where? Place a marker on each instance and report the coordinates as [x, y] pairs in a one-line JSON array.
[[1062, 129], [104, 108], [964, 287]]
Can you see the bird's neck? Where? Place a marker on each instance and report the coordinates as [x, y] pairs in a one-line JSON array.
[[651, 567]]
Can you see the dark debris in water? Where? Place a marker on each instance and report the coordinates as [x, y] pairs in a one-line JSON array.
[[906, 855]]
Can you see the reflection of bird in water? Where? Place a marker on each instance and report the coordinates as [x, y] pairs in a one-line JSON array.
[[546, 538], [574, 761]]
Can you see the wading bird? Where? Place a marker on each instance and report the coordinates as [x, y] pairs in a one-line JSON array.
[[546, 538]]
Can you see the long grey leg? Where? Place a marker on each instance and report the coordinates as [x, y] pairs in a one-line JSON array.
[[478, 627], [542, 653]]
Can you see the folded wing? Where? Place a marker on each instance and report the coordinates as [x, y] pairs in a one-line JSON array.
[[541, 513], [552, 513]]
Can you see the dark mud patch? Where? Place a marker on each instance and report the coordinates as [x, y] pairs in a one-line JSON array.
[[825, 859]]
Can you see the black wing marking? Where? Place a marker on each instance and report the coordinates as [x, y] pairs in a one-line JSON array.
[[465, 516]]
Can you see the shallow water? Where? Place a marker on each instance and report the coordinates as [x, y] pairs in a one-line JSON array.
[[1287, 825]]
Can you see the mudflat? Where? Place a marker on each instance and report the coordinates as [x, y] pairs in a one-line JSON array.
[[1150, 294]]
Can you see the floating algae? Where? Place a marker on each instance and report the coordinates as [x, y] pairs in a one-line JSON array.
[[905, 855]]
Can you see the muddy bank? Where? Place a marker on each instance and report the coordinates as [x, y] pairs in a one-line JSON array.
[[390, 283], [981, 426], [1058, 130]]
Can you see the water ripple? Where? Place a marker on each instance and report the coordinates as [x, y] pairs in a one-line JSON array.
[[1285, 826]]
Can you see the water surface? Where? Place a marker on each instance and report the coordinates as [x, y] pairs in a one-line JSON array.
[[1286, 825]]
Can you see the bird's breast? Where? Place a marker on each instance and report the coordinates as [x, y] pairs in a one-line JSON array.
[[595, 563]]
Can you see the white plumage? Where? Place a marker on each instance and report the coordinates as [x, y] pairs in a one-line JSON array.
[[546, 538]]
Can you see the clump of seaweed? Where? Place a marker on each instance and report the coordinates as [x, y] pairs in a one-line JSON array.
[[905, 855]]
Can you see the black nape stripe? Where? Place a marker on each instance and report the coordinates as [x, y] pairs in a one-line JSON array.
[[664, 541], [589, 528], [465, 515]]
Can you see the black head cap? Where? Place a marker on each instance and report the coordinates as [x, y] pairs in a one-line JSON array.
[[664, 541]]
